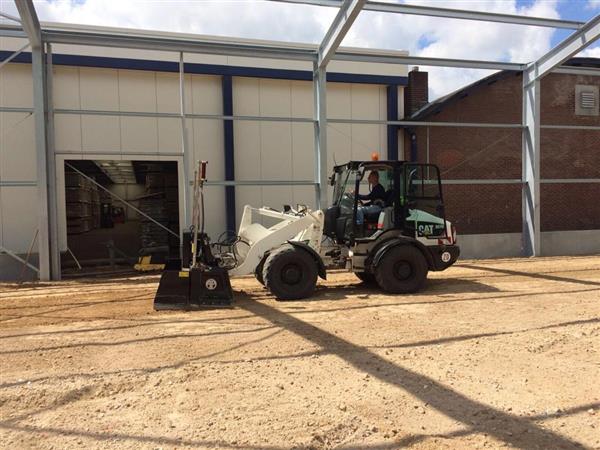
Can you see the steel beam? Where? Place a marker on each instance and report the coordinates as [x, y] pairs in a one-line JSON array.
[[575, 70], [12, 31], [342, 22], [449, 13], [10, 17], [175, 44], [579, 40], [348, 55], [30, 22], [320, 134], [13, 56]]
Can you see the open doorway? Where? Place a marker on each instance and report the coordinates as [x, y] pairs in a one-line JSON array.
[[105, 230]]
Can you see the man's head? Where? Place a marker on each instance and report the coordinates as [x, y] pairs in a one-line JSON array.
[[373, 178]]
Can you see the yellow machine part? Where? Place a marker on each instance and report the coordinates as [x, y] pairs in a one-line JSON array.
[[145, 264]]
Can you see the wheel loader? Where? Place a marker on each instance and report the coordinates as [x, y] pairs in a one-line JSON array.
[[393, 245]]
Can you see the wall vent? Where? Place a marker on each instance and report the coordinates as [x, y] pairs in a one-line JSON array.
[[586, 100]]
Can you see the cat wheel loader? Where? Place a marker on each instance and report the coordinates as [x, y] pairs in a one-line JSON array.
[[393, 246]]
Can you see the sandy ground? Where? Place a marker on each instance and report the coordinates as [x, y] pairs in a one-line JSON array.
[[492, 354]]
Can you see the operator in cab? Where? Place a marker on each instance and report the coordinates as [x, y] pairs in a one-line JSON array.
[[375, 199]]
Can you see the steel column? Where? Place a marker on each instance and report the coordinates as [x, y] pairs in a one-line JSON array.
[[51, 170], [38, 69], [531, 168], [392, 130], [31, 26], [229, 151], [320, 113], [532, 76], [187, 157]]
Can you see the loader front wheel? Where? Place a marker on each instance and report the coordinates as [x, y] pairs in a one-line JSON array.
[[402, 270], [290, 273]]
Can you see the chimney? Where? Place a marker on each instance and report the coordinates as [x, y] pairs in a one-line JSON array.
[[416, 94]]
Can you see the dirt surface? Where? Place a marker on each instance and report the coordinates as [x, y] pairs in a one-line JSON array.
[[492, 354]]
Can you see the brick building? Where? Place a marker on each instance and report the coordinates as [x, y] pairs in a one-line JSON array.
[[568, 155]]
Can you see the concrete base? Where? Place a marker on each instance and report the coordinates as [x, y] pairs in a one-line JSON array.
[[482, 246], [507, 245], [566, 243]]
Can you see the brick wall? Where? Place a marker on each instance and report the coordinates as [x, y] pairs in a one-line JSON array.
[[489, 153]]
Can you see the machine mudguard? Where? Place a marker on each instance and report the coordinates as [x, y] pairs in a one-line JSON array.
[[321, 267], [395, 242]]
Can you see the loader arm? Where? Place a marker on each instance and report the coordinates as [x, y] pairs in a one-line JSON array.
[[256, 239]]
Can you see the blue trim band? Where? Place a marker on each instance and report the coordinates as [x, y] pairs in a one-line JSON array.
[[207, 69], [392, 130], [229, 151]]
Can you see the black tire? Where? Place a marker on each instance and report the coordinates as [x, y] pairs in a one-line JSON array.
[[258, 272], [290, 273], [402, 270], [365, 277]]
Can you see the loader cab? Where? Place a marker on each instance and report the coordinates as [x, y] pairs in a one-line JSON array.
[[413, 201]]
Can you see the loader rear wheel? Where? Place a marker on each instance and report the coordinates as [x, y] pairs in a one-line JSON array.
[[402, 270], [290, 273], [365, 277]]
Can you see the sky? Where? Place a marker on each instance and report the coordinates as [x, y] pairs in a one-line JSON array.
[[421, 36]]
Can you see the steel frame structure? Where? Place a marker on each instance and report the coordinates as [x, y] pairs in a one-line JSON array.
[[41, 38]]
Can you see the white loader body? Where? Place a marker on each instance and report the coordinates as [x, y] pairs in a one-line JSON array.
[[255, 239]]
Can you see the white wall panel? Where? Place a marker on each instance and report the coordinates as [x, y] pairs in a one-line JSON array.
[[67, 132], [365, 141], [339, 101], [19, 218], [101, 134], [246, 137], [214, 207], [167, 92], [302, 99], [365, 101], [208, 146], [137, 91], [169, 135], [17, 147], [206, 95], [99, 88], [275, 97], [339, 143], [303, 195], [246, 98], [16, 88], [66, 94], [303, 151], [276, 150], [139, 134]]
